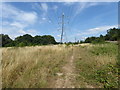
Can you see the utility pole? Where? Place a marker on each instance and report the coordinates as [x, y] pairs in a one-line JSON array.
[[62, 27]]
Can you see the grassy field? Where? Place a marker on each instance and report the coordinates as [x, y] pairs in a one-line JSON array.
[[90, 66], [96, 65]]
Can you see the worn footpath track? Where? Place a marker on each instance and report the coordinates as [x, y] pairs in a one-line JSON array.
[[67, 77]]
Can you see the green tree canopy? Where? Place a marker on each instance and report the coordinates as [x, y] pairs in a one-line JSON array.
[[5, 40]]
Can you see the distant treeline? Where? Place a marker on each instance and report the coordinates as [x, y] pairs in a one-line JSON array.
[[26, 40], [112, 35]]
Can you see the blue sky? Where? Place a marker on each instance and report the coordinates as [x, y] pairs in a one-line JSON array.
[[82, 19]]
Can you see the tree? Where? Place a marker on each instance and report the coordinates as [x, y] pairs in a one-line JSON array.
[[48, 39], [6, 41], [37, 40], [90, 39], [26, 39], [112, 34]]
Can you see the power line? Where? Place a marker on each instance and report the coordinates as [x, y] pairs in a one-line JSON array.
[[50, 20], [55, 12], [70, 14], [62, 24]]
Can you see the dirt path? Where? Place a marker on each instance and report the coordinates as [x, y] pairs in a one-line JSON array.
[[67, 77]]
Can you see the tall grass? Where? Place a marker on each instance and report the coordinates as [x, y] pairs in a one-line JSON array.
[[32, 67], [37, 67], [0, 68]]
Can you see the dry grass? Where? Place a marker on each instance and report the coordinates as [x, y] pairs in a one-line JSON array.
[[0, 68], [37, 67], [32, 66]]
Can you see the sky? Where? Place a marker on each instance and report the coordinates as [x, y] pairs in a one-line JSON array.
[[82, 19]]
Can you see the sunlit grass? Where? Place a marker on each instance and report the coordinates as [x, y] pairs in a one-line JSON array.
[[98, 58], [32, 66], [36, 67]]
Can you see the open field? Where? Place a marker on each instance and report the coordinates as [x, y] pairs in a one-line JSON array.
[[60, 66]]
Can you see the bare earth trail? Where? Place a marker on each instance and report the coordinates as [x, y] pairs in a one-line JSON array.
[[67, 77]]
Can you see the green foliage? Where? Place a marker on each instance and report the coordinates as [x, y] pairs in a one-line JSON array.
[[90, 39], [5, 40], [81, 41], [95, 40], [26, 40], [47, 39], [110, 49], [69, 43], [118, 56], [112, 35], [108, 76], [96, 65], [21, 44]]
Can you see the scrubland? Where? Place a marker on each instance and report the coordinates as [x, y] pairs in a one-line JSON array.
[[92, 66]]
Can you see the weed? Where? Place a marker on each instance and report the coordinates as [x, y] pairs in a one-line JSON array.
[[108, 76], [97, 65]]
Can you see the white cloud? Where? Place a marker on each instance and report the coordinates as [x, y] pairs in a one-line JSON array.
[[14, 32], [97, 30], [44, 7], [21, 31], [31, 32], [83, 38], [55, 7], [8, 10], [18, 15], [58, 35], [50, 21], [18, 21], [100, 29], [68, 3], [36, 6], [18, 25], [83, 5], [29, 17], [80, 7], [44, 18]]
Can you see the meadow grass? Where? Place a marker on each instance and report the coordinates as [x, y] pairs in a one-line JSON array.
[[96, 65], [32, 67], [37, 66]]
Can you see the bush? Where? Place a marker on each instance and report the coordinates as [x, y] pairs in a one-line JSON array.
[[108, 76]]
